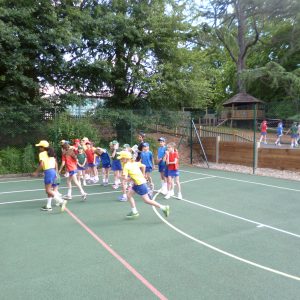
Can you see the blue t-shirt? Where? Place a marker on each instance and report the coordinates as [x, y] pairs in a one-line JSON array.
[[146, 158], [280, 129], [105, 158], [161, 151]]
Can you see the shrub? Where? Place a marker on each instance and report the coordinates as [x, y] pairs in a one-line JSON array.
[[11, 160], [29, 162]]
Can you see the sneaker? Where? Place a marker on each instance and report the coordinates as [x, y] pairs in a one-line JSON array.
[[84, 196], [122, 198], [105, 183], [172, 193], [179, 196], [166, 210], [45, 208], [132, 215], [63, 206], [168, 196], [115, 186], [66, 197]]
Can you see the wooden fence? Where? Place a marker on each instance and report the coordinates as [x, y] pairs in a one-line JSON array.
[[241, 153]]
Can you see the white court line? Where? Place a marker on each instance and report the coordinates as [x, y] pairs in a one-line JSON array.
[[196, 179], [40, 199], [8, 181], [259, 224], [244, 219], [36, 190], [245, 181], [225, 252]]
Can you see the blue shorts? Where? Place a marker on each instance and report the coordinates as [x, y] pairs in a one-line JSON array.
[[173, 173], [80, 168], [141, 189], [294, 136], [106, 166], [166, 171], [161, 166], [91, 165], [72, 173], [116, 165], [263, 133], [49, 176], [148, 169]]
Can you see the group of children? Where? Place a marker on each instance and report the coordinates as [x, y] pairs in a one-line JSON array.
[[294, 133], [131, 166]]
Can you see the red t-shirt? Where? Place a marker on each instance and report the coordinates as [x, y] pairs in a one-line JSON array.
[[71, 163], [264, 127], [90, 156], [172, 156]]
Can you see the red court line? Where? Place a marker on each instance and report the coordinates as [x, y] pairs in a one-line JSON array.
[[118, 257]]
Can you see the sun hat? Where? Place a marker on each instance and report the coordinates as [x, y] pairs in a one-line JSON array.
[[124, 154], [44, 144], [114, 142], [161, 139]]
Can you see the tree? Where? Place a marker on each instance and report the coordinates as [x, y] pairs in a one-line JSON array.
[[239, 25], [33, 40]]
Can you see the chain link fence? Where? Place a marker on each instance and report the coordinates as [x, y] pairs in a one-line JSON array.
[[23, 126]]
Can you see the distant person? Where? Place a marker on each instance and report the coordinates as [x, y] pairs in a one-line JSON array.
[[263, 132], [279, 133], [294, 134]]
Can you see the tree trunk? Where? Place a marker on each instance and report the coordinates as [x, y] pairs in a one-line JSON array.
[[242, 47]]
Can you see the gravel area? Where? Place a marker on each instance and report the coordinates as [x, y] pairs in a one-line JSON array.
[[248, 170]]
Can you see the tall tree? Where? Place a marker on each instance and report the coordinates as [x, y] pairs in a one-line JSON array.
[[239, 25]]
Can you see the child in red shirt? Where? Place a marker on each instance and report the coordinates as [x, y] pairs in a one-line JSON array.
[[69, 160], [172, 161]]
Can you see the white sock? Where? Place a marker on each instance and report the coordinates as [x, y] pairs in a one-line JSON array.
[[49, 201], [134, 210], [69, 193]]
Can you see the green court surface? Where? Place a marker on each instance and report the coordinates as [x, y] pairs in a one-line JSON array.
[[232, 236]]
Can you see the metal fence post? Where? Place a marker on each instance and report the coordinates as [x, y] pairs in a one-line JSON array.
[[254, 139], [191, 137]]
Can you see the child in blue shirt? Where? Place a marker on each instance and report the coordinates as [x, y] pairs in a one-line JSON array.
[[148, 160], [279, 133], [106, 165]]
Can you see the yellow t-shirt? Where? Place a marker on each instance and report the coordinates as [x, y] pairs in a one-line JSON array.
[[47, 162], [133, 170]]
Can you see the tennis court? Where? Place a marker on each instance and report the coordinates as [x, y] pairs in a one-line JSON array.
[[233, 236]]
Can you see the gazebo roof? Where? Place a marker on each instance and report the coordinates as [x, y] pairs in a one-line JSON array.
[[242, 98]]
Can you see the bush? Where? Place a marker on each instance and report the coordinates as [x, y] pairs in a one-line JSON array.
[[11, 160], [69, 128], [29, 162]]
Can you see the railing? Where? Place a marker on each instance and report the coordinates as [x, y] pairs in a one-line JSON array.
[[225, 134], [242, 114]]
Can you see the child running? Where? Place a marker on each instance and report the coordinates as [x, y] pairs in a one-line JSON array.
[[172, 161], [48, 164], [161, 152], [133, 170], [69, 160]]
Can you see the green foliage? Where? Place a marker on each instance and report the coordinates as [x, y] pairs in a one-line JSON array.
[[29, 160], [65, 127], [11, 160]]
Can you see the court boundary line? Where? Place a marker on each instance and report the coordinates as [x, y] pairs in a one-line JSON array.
[[261, 225], [14, 181], [130, 268], [40, 199], [36, 190], [244, 181], [249, 262]]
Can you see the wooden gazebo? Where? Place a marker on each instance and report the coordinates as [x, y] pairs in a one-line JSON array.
[[241, 108]]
